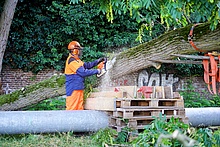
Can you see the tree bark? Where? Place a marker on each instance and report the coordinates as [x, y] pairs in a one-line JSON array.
[[162, 48], [33, 98], [5, 24]]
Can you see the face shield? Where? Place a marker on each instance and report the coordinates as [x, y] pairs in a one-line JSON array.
[[80, 53]]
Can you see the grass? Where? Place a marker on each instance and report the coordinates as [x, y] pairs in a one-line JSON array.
[[48, 140]]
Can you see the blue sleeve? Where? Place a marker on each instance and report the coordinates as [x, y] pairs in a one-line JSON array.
[[89, 65], [86, 72]]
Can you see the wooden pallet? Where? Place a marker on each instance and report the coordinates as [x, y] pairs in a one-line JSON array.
[[147, 113], [130, 122], [111, 104], [130, 103], [126, 110], [119, 128]]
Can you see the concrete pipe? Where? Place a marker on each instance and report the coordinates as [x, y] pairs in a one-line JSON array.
[[23, 122], [209, 116]]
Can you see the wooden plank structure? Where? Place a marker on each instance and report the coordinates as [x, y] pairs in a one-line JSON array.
[[138, 111]]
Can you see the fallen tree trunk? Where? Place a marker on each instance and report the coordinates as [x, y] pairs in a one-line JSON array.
[[33, 98], [162, 48]]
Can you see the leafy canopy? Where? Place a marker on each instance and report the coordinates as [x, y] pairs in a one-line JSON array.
[[168, 13]]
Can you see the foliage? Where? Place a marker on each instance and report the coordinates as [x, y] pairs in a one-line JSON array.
[[195, 99], [90, 83], [205, 136], [123, 136], [184, 70], [40, 34], [170, 14], [216, 137], [111, 137], [105, 136], [160, 126]]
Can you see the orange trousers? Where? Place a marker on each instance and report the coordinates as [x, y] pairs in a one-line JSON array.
[[75, 101]]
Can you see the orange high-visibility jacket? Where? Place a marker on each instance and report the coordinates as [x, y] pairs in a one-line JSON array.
[[76, 71]]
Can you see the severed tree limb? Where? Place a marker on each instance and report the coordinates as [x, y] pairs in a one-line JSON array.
[[33, 98], [163, 48]]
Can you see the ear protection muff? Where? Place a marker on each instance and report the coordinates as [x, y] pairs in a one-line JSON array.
[[75, 52]]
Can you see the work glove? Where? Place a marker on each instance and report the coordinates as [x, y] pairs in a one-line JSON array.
[[99, 71], [101, 60], [102, 72]]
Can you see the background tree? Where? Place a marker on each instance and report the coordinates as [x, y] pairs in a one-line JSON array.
[[7, 15]]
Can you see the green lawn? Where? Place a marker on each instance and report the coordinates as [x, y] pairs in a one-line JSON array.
[[48, 140]]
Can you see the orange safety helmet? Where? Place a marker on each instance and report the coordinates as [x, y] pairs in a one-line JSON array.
[[74, 47]]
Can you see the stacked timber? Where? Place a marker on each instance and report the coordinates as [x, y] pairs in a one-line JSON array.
[[129, 106]]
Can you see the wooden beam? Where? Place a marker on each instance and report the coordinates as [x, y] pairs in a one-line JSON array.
[[178, 61], [119, 94], [100, 103], [193, 56]]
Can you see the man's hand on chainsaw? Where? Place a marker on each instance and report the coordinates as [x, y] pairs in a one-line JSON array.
[[99, 71], [101, 60], [102, 66]]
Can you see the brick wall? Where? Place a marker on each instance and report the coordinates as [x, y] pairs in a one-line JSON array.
[[16, 78]]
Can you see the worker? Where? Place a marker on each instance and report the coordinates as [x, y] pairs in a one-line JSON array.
[[75, 72]]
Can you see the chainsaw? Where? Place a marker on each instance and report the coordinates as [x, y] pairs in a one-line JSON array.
[[102, 67]]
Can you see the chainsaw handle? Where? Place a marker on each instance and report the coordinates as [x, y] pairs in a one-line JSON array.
[[100, 65]]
